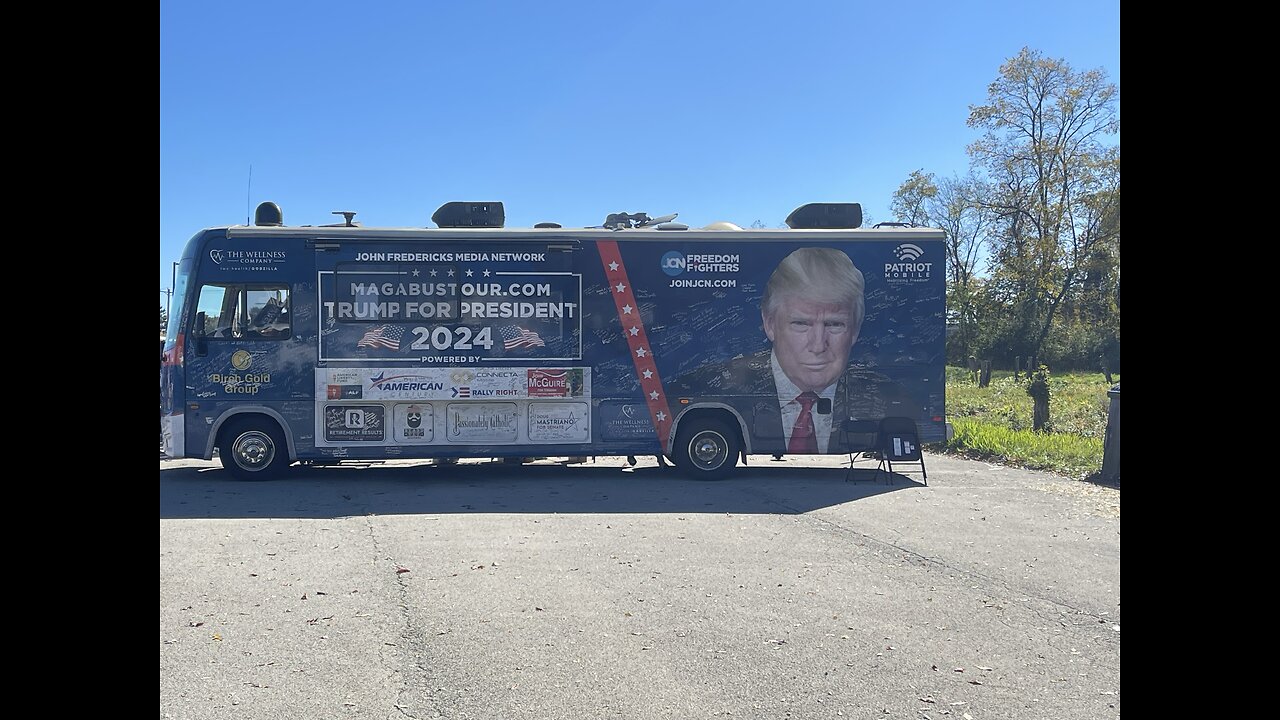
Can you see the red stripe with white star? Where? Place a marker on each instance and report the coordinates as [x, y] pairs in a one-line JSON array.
[[624, 298]]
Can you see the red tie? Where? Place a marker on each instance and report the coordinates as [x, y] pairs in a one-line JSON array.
[[803, 439]]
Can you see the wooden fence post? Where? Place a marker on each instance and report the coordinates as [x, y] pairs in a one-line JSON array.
[[1039, 392]]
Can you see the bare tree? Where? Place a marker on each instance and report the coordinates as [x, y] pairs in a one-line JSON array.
[[954, 206]]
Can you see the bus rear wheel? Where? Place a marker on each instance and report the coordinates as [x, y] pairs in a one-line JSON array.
[[707, 450], [253, 450]]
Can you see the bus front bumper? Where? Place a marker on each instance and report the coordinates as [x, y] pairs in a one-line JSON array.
[[172, 435]]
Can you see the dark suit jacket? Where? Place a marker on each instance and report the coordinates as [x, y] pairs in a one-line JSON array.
[[746, 384]]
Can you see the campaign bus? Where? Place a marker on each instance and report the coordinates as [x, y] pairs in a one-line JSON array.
[[641, 336]]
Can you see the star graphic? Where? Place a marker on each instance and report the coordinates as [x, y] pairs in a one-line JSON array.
[[635, 331], [433, 273], [648, 374], [469, 273], [641, 352], [486, 273], [613, 267], [416, 272], [626, 309], [661, 416], [620, 287], [653, 395], [451, 273]]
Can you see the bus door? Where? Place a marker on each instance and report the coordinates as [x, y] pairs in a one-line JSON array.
[[243, 349]]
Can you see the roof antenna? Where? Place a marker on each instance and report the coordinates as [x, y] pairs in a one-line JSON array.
[[624, 221], [248, 193]]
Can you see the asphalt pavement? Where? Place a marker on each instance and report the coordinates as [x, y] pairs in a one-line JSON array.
[[408, 590]]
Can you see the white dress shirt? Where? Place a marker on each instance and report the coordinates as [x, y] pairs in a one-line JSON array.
[[787, 393]]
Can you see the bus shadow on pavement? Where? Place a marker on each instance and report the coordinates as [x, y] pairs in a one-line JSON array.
[[425, 489]]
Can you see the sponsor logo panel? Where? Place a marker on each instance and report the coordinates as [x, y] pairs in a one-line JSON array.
[[481, 423], [557, 382], [908, 265], [354, 423], [413, 423], [425, 384], [559, 422]]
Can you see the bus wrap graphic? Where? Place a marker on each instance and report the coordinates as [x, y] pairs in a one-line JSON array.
[[428, 314]]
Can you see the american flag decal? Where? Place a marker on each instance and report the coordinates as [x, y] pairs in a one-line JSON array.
[[387, 336], [518, 337], [624, 298]]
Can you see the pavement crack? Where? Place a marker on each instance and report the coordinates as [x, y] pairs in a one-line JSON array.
[[411, 663]]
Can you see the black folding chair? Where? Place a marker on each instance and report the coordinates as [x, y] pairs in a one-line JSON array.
[[861, 438], [899, 442]]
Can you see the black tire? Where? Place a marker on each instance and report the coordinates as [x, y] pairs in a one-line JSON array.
[[706, 450], [253, 449]]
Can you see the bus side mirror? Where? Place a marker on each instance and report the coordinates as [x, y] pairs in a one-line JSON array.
[[824, 406], [202, 345]]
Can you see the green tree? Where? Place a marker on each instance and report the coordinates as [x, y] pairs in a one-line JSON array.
[[1052, 184], [911, 201], [1088, 325]]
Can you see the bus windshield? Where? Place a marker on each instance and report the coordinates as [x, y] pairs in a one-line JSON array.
[[179, 302]]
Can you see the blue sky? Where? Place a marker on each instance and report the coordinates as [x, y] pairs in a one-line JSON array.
[[568, 111]]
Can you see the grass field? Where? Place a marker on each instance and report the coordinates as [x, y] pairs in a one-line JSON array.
[[995, 422]]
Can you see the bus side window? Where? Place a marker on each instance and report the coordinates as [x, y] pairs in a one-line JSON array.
[[268, 313], [218, 305], [237, 311]]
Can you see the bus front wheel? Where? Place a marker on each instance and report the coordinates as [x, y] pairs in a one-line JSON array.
[[253, 450]]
